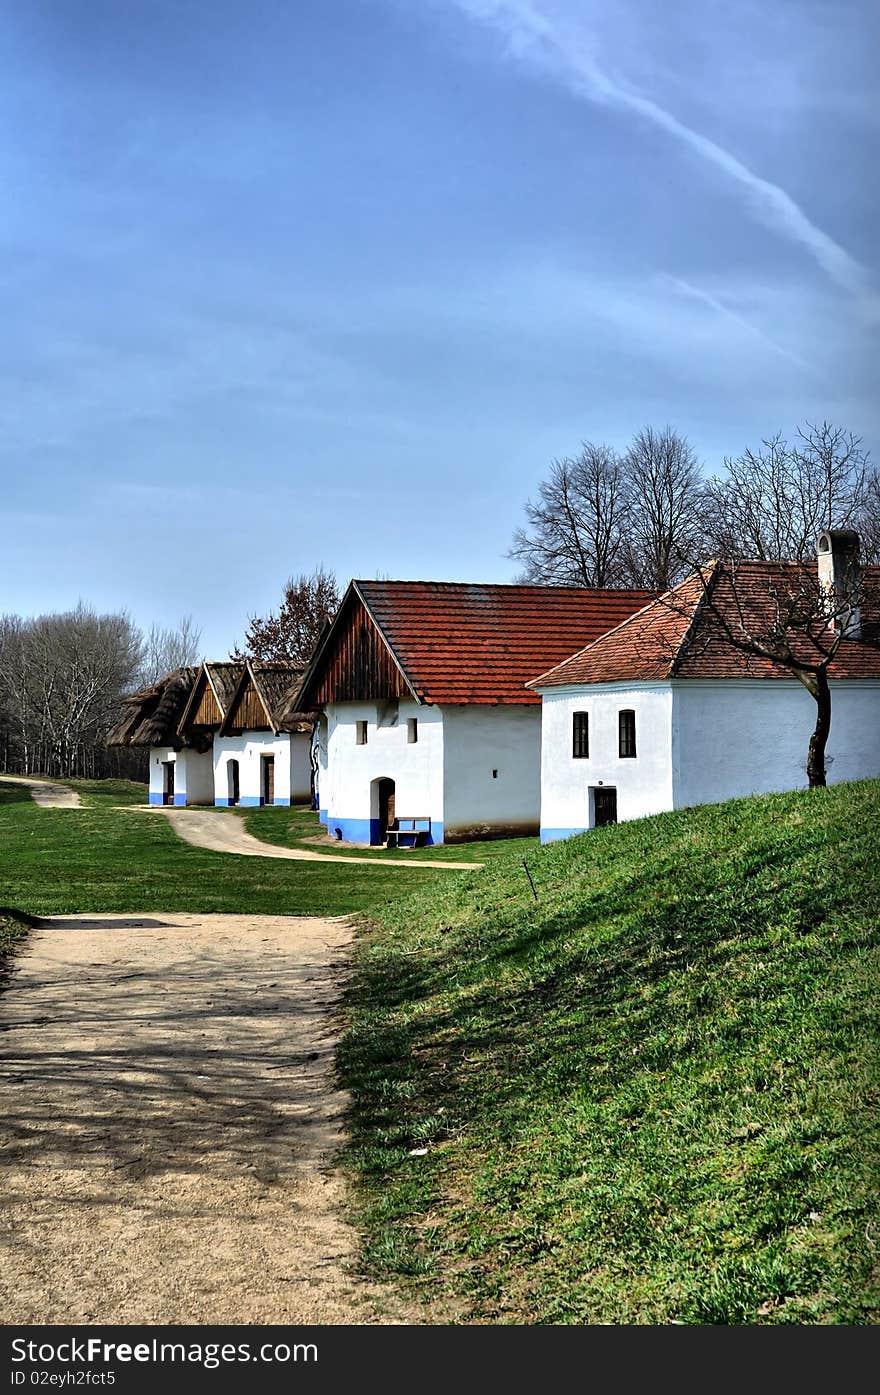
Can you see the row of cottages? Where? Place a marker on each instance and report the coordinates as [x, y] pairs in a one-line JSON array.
[[427, 731], [664, 713], [434, 726], [223, 733]]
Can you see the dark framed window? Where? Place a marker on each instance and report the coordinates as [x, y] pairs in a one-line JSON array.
[[580, 735], [626, 729], [361, 733], [412, 730]]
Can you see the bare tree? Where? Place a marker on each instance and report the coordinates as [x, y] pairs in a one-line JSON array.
[[794, 615], [664, 493], [576, 527], [291, 632], [774, 502], [168, 649], [62, 676]]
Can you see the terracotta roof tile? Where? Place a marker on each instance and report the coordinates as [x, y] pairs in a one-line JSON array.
[[676, 636], [460, 643]]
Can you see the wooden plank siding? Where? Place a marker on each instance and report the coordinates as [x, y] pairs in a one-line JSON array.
[[359, 666], [208, 713], [249, 713]]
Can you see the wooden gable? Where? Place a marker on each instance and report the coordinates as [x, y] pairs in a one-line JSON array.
[[203, 709], [357, 664], [247, 712]]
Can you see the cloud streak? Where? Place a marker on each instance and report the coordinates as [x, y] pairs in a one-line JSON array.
[[533, 35]]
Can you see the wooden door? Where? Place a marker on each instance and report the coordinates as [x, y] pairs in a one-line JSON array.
[[169, 782], [605, 806], [268, 779]]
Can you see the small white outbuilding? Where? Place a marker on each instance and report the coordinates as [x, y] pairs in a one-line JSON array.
[[663, 712]]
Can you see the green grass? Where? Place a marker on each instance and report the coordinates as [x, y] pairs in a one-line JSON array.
[[102, 859], [107, 793], [14, 928], [653, 1096], [298, 826]]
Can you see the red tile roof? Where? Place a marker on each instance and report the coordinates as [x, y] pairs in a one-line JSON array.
[[459, 643], [677, 636]]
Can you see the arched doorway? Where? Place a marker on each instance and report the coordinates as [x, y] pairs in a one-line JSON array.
[[232, 778], [382, 811]]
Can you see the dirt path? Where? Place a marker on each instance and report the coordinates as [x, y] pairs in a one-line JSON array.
[[168, 1117], [46, 794], [226, 833]]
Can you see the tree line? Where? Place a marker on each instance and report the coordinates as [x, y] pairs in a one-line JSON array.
[[62, 679], [646, 516]]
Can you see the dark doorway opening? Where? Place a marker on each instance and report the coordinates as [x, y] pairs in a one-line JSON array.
[[386, 808], [267, 779], [232, 776], [168, 783], [604, 806]]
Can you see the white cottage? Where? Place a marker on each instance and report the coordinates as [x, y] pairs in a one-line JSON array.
[[663, 713], [178, 774], [427, 732], [259, 738], [224, 733]]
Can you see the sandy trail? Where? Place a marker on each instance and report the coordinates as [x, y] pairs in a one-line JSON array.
[[45, 793], [168, 1121], [221, 832]]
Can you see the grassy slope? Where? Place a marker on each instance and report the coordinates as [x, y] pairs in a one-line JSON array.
[[101, 859], [109, 793], [651, 1096], [298, 826]]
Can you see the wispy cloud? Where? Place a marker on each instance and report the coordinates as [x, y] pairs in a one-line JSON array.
[[538, 35], [691, 292]]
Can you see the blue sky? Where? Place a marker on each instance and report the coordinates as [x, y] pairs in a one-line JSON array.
[[334, 281]]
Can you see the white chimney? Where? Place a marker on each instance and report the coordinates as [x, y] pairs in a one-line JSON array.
[[840, 579]]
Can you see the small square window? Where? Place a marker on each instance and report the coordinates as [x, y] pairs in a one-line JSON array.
[[626, 727], [361, 733], [412, 730], [580, 737]]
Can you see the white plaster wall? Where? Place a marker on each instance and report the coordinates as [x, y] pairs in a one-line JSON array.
[[158, 756], [319, 743], [247, 750], [194, 776], [416, 768], [737, 738], [643, 783], [300, 766], [477, 740]]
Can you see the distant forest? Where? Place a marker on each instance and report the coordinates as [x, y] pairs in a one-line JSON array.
[[62, 679]]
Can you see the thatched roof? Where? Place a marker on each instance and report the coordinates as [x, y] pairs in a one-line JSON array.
[[150, 717]]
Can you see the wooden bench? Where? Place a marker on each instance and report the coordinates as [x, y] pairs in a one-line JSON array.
[[419, 830]]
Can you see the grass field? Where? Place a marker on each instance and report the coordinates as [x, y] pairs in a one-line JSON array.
[[100, 858], [299, 826], [651, 1096]]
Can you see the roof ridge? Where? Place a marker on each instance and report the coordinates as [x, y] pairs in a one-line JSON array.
[[533, 682]]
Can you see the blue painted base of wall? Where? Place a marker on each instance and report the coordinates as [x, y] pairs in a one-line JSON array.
[[180, 801], [156, 798], [251, 801], [368, 830], [281, 802], [222, 803], [553, 835], [323, 816]]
